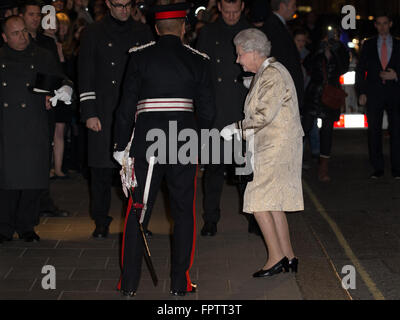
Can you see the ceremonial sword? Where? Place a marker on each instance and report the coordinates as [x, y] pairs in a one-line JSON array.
[[147, 254]]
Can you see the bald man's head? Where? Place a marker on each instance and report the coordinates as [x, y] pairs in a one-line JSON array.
[[15, 33]]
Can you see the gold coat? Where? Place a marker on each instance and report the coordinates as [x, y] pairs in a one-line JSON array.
[[272, 111]]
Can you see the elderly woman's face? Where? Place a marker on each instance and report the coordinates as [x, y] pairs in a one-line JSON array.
[[245, 59]]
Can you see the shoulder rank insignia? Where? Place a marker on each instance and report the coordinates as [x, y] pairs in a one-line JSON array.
[[138, 48], [197, 52]]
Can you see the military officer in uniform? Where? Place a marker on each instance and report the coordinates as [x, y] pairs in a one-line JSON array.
[[102, 61], [216, 40], [24, 139], [166, 82]]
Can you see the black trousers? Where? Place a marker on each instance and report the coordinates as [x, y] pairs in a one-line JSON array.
[[100, 191], [46, 202], [214, 179], [19, 211], [375, 109], [325, 133], [181, 183]]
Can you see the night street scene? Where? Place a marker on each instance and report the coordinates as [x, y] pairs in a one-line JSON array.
[[208, 156]]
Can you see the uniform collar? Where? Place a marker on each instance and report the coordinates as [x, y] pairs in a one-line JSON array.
[[17, 53], [170, 39], [115, 23], [238, 24]]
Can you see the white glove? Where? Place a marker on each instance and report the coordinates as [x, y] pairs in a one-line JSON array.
[[247, 81], [119, 156], [229, 131], [63, 94]]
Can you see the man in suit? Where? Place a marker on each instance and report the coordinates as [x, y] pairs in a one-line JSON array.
[[283, 46], [102, 60], [216, 40], [378, 85]]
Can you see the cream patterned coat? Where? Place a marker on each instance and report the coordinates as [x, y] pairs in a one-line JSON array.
[[271, 110]]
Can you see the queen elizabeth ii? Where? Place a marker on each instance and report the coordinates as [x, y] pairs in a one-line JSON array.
[[272, 113]]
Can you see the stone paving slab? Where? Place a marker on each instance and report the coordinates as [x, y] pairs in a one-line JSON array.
[[88, 268]]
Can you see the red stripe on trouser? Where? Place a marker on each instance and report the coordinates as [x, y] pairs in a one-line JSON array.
[[123, 239], [188, 282]]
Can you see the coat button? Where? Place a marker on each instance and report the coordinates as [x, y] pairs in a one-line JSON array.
[[4, 84], [5, 104], [110, 44], [23, 105]]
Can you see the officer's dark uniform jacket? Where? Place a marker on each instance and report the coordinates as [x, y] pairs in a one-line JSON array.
[[167, 69], [163, 70], [102, 61], [24, 129], [216, 40]]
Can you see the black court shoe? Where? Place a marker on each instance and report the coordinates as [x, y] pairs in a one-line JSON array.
[[101, 232], [209, 229], [293, 264], [282, 265], [4, 238], [182, 293], [127, 293]]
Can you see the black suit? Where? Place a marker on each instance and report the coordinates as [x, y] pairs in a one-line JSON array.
[[216, 40], [285, 51], [380, 96]]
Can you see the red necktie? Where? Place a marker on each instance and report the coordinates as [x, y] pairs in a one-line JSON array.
[[384, 54]]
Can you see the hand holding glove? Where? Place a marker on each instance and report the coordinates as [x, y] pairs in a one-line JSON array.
[[247, 82], [119, 156], [229, 131], [63, 94]]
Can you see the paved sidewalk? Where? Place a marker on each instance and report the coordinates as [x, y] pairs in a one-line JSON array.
[[88, 268]]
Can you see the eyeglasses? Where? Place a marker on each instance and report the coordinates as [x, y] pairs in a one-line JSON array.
[[121, 6]]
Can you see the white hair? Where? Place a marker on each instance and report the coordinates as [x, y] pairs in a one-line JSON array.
[[253, 40]]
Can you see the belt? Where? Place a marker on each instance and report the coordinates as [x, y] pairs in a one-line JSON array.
[[165, 105]]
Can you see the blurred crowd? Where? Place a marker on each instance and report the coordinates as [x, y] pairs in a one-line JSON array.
[[74, 15]]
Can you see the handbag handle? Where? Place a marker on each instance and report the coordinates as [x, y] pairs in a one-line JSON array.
[[240, 127]]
